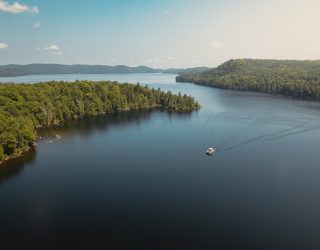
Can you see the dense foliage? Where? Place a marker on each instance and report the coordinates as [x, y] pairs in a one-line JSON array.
[[287, 77], [24, 107]]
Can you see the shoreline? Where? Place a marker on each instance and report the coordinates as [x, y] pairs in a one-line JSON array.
[[66, 101], [292, 97], [22, 152]]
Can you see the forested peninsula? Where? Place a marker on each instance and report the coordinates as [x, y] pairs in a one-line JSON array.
[[286, 77], [25, 107]]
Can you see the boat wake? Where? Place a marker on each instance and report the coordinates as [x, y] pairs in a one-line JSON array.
[[228, 131]]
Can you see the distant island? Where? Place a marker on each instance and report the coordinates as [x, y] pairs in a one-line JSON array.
[[286, 77], [25, 107], [12, 70]]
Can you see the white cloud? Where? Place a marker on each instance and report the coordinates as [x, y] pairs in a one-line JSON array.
[[59, 53], [3, 45], [36, 25], [52, 47], [156, 60], [113, 59], [98, 59], [153, 60], [216, 44], [17, 7]]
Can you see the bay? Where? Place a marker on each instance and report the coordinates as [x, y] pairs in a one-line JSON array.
[[142, 179]]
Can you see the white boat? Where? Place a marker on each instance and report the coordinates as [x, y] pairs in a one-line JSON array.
[[211, 151]]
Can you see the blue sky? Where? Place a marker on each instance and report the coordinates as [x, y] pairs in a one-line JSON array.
[[157, 33]]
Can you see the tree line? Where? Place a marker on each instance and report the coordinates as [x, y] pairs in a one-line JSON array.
[[287, 77], [25, 107]]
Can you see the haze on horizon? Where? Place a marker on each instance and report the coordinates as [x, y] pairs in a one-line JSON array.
[[159, 34]]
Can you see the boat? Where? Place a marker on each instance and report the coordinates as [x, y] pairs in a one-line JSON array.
[[211, 151]]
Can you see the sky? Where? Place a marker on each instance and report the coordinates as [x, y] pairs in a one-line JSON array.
[[157, 33]]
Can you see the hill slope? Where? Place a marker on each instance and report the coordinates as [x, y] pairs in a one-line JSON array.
[[195, 70], [288, 77], [48, 69]]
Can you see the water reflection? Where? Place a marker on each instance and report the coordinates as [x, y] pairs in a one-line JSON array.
[[14, 167], [84, 128]]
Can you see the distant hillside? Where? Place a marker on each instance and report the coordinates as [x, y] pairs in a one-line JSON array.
[[288, 77], [47, 69], [194, 70]]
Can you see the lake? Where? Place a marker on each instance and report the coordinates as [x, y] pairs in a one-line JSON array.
[[141, 180]]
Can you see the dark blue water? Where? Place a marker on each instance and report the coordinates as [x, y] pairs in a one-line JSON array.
[[141, 180]]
